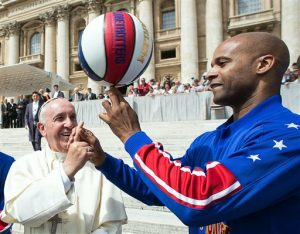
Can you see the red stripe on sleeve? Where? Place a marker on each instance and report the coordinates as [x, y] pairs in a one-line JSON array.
[[3, 225], [195, 189]]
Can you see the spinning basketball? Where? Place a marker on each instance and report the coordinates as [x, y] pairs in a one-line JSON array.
[[115, 48]]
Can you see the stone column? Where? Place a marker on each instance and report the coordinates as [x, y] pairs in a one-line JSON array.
[[93, 9], [146, 16], [290, 27], [189, 41], [13, 43], [132, 8], [63, 56], [231, 8], [268, 4], [3, 47], [214, 28], [50, 43], [25, 47], [6, 49]]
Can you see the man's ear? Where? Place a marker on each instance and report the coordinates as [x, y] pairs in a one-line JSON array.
[[41, 128], [265, 63]]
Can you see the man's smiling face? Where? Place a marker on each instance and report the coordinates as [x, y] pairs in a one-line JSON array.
[[59, 122]]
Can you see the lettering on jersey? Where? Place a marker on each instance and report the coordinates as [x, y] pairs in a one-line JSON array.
[[218, 228], [120, 38]]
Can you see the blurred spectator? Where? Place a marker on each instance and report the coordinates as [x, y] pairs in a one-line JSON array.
[[204, 82], [152, 82], [12, 113], [291, 75], [31, 120], [48, 92], [187, 88], [294, 72], [4, 112], [43, 96], [286, 76], [151, 92], [21, 108], [100, 96], [90, 95], [143, 87], [76, 96], [179, 88], [130, 91], [196, 87], [157, 89], [167, 89], [56, 92]]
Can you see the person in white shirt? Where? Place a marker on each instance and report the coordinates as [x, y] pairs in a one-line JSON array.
[[31, 120], [56, 92], [58, 190]]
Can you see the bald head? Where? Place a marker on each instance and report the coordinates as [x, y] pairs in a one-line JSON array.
[[256, 44]]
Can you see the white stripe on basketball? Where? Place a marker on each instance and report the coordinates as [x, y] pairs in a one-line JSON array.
[[182, 197], [135, 66], [93, 46]]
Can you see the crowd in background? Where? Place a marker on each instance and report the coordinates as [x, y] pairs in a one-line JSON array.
[[167, 87], [12, 112]]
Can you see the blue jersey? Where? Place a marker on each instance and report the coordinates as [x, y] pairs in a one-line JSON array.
[[245, 173], [5, 163]]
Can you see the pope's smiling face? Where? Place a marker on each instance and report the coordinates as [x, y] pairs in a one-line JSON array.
[[60, 119]]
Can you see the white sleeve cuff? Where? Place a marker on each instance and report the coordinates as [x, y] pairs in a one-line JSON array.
[[66, 180]]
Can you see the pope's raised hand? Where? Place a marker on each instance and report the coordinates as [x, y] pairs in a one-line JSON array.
[[79, 152], [120, 117], [82, 134]]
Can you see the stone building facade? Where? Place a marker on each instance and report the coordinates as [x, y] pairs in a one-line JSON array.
[[44, 33]]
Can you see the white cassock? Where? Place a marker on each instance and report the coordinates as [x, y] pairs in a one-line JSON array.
[[34, 193]]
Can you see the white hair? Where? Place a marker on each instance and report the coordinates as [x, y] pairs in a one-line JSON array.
[[42, 112]]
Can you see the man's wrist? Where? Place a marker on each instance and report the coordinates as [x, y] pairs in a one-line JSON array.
[[126, 136], [99, 159], [68, 172], [67, 181]]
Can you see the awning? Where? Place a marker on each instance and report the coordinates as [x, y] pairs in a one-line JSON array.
[[24, 79]]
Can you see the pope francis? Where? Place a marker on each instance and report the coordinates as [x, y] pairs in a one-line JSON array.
[[58, 189]]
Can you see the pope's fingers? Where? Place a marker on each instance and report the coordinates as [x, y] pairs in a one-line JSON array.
[[78, 130]]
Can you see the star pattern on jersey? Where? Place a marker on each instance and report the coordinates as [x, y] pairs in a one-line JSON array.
[[279, 145], [254, 157], [292, 125]]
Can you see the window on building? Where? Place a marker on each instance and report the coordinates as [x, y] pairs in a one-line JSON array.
[[168, 54], [79, 27], [168, 19], [35, 43], [246, 6], [78, 67], [80, 31]]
